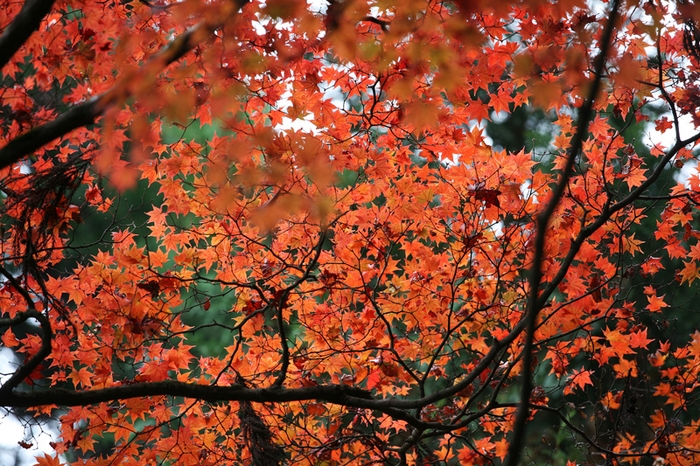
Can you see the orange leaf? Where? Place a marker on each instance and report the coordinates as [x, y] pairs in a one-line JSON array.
[[579, 379]]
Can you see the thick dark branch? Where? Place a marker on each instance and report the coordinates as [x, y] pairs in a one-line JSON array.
[[383, 24], [22, 26], [336, 394], [86, 113], [608, 212], [535, 278], [340, 394], [658, 170]]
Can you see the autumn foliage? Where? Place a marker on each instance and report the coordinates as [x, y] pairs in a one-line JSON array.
[[347, 269]]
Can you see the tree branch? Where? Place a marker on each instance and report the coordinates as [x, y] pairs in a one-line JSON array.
[[87, 113], [337, 394], [282, 303], [22, 27], [542, 222], [340, 394]]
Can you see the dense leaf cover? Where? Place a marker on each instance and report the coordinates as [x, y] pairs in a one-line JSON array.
[[346, 270]]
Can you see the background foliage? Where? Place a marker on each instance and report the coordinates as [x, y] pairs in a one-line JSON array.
[[351, 232]]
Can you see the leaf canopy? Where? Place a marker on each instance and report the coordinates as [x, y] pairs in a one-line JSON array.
[[276, 232]]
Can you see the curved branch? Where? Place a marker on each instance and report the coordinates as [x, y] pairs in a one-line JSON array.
[[22, 27], [337, 394]]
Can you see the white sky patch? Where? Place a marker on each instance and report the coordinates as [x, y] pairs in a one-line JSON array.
[[667, 139], [690, 168], [304, 125], [259, 28], [527, 192], [499, 117], [497, 229], [14, 431]]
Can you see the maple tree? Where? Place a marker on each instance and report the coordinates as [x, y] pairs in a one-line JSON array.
[[346, 270]]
